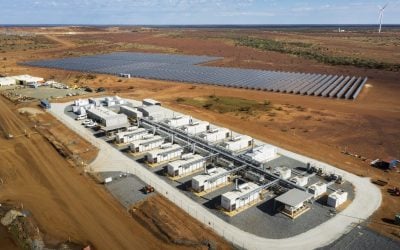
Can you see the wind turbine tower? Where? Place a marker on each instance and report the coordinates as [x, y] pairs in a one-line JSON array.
[[381, 10]]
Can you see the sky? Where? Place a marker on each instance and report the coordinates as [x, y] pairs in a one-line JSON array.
[[167, 12]]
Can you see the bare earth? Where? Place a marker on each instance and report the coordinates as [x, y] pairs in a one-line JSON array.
[[317, 127]]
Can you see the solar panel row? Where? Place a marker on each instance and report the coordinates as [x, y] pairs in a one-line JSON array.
[[185, 69]]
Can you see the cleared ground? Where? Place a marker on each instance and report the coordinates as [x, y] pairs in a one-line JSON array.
[[65, 203], [319, 128]]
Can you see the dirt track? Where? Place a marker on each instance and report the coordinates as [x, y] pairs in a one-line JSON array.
[[368, 126]]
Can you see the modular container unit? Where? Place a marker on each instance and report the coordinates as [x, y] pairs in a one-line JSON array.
[[215, 135], [131, 112], [150, 102], [129, 136], [263, 153], [7, 81], [178, 121], [245, 194], [108, 118], [81, 102], [165, 152], [156, 113], [196, 127], [283, 172], [300, 180], [187, 164], [210, 180], [147, 143], [337, 198], [238, 143], [317, 189]]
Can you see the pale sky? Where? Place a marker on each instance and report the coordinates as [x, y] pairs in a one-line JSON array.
[[164, 12]]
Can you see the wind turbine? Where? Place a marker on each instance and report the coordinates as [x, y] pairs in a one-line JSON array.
[[381, 10]]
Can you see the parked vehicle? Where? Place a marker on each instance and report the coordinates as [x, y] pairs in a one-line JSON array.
[[81, 117], [91, 125], [87, 121]]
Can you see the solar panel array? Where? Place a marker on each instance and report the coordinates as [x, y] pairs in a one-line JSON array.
[[184, 68]]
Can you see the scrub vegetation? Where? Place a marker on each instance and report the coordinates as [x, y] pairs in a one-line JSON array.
[[226, 104], [314, 52]]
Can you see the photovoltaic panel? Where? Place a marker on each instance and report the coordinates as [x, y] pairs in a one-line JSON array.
[[184, 68]]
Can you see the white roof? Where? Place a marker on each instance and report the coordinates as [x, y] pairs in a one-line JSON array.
[[132, 132], [152, 101], [160, 150], [294, 197], [104, 113], [337, 194], [7, 80], [210, 173], [235, 194], [176, 164], [147, 139], [28, 78], [237, 139], [262, 153]]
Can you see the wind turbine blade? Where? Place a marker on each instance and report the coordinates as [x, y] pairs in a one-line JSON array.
[[384, 6]]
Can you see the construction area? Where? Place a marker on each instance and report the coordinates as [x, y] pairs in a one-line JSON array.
[[245, 182]]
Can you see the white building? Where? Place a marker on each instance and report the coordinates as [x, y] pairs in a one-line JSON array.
[[237, 143], [114, 100], [188, 163], [156, 113], [81, 105], [129, 136], [27, 79], [178, 121], [283, 172], [150, 102], [196, 127], [337, 198], [7, 81], [165, 152], [146, 143], [215, 135], [107, 118], [243, 195], [293, 201], [131, 112], [300, 180], [263, 153], [317, 189], [211, 179]]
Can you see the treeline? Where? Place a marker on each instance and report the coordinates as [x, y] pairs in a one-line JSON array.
[[308, 51]]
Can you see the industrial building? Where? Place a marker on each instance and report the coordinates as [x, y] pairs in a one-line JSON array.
[[165, 152], [27, 79], [196, 127], [146, 143], [114, 100], [150, 102], [243, 195], [293, 201], [188, 163], [337, 198], [317, 189], [131, 135], [7, 81], [131, 112], [215, 135], [237, 143], [108, 119], [283, 172], [81, 105], [263, 153], [155, 112], [209, 180], [302, 181], [179, 121]]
